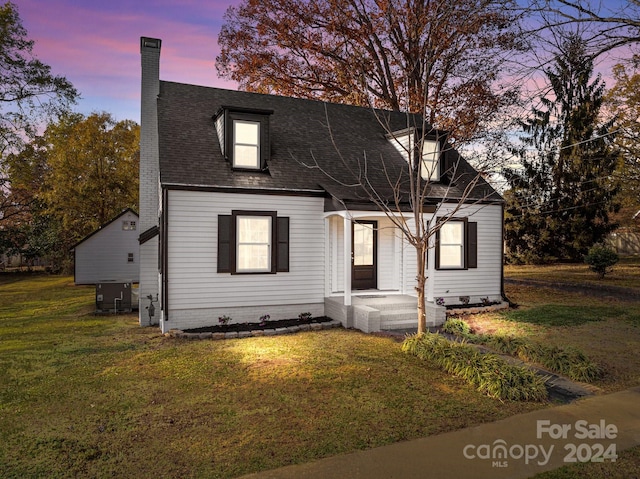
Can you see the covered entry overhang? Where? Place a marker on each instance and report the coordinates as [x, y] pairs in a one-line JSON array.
[[367, 254]]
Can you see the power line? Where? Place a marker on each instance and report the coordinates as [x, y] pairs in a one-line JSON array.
[[569, 208]]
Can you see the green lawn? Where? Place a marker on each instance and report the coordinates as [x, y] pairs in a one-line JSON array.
[[607, 329], [625, 467], [98, 396], [626, 273]]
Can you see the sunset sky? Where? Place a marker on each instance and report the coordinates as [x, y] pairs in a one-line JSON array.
[[96, 45]]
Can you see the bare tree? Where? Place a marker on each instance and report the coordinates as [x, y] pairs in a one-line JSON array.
[[386, 54], [605, 26], [412, 197]]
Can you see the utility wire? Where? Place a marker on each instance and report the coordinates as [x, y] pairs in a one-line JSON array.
[[540, 213]]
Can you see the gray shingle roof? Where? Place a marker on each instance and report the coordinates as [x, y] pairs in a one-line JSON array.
[[338, 138]]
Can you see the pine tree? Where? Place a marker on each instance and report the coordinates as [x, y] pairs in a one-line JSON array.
[[559, 202]]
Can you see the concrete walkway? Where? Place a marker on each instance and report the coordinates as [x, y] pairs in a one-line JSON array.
[[517, 447]]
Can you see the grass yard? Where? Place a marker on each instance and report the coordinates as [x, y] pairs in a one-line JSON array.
[[626, 273], [626, 467], [98, 396], [607, 329]]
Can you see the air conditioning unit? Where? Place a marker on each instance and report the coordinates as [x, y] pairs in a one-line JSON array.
[[113, 297]]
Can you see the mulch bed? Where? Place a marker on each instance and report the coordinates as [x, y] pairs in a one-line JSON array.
[[238, 327]]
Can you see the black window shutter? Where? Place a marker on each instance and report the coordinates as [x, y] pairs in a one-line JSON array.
[[472, 245], [282, 251], [437, 249], [265, 147], [224, 243]]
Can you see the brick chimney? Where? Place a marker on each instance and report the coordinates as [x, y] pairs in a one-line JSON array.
[[149, 179]]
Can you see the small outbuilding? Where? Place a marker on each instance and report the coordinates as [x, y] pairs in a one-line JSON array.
[[110, 253]]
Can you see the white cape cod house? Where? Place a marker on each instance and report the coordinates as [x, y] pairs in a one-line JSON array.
[[248, 206]]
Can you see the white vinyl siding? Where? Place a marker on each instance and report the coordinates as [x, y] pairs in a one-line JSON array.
[[220, 131], [389, 256], [485, 280], [403, 143], [480, 282], [192, 254]]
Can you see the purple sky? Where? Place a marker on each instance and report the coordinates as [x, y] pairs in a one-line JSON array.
[[96, 45]]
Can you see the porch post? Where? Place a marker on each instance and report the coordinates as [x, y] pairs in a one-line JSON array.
[[431, 269], [347, 260]]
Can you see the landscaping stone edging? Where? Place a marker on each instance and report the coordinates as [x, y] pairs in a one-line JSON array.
[[179, 334]]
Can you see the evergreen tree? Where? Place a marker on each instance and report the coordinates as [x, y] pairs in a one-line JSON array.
[[559, 202]]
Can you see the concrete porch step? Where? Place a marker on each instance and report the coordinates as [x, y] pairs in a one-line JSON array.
[[399, 319], [402, 324], [387, 303]]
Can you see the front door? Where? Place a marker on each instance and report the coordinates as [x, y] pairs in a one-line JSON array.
[[363, 255]]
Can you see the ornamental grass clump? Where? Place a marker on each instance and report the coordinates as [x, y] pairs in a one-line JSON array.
[[570, 362], [489, 373], [456, 326]]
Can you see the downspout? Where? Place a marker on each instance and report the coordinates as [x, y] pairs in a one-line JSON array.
[[165, 255]]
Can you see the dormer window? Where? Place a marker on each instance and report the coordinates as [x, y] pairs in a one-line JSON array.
[[423, 153], [246, 144], [244, 137], [430, 166]]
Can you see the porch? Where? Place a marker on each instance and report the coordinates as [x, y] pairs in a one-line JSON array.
[[377, 311]]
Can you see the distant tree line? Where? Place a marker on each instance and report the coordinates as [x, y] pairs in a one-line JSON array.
[[59, 185]]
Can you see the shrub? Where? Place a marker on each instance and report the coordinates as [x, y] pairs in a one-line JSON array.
[[456, 326], [600, 259], [491, 374]]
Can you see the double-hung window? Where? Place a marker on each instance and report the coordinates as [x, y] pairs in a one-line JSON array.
[[243, 134], [457, 244], [246, 144], [452, 245], [253, 243], [430, 158]]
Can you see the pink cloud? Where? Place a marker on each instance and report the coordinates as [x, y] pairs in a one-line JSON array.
[[98, 50]]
